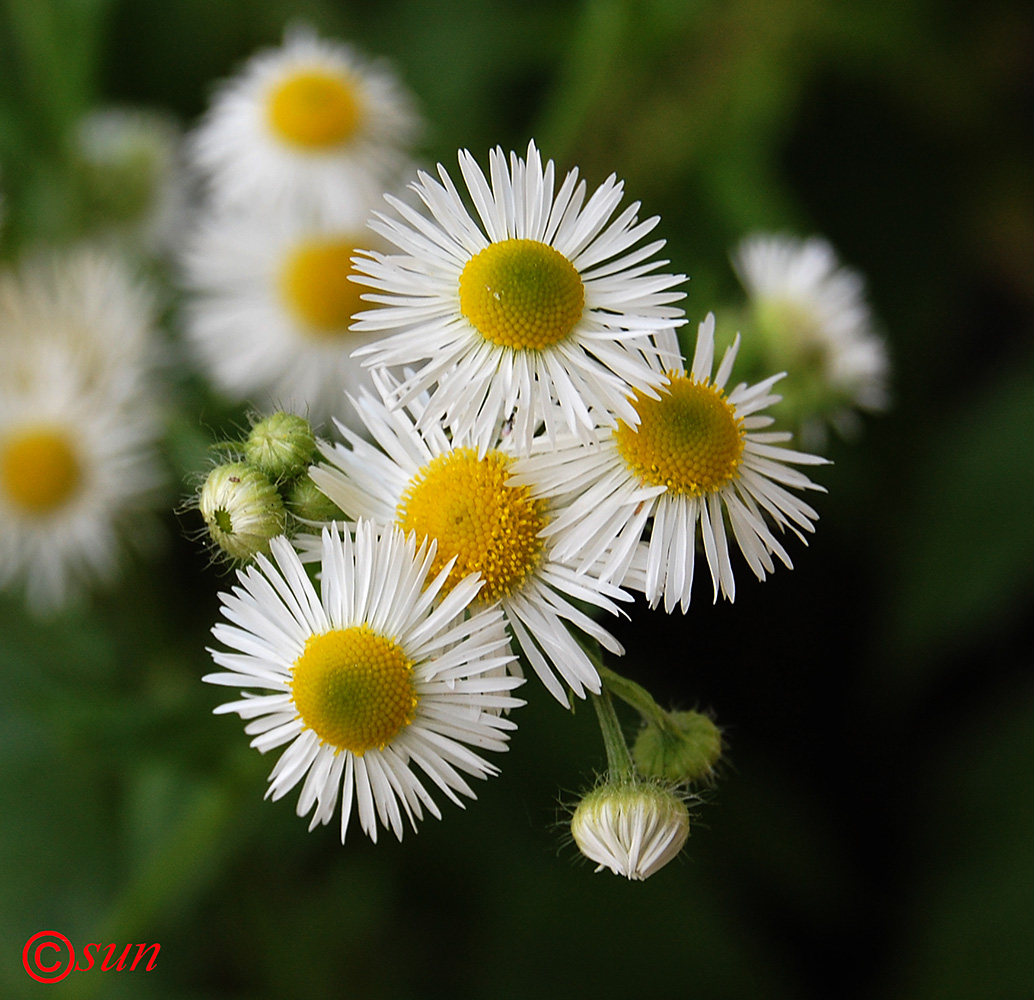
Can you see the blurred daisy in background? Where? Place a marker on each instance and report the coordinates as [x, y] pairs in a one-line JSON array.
[[269, 306], [457, 491], [95, 311], [538, 308], [380, 673], [814, 323], [129, 171], [694, 456], [79, 472], [310, 125]]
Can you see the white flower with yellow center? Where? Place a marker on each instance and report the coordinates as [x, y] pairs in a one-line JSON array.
[[78, 475], [459, 493], [269, 309], [308, 125], [695, 455], [542, 307], [366, 680], [814, 319]]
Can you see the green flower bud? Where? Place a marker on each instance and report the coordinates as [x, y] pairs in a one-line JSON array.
[[242, 510], [281, 446], [633, 828], [685, 749], [306, 501]]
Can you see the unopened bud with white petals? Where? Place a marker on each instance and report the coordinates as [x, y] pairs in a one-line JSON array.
[[242, 510], [633, 828]]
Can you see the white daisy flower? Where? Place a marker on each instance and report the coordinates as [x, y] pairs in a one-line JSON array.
[[539, 300], [78, 474], [309, 125], [458, 492], [269, 309], [696, 455], [814, 318], [633, 828], [369, 679]]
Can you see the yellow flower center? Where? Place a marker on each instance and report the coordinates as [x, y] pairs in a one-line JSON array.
[[315, 110], [315, 285], [39, 469], [521, 294], [690, 440], [491, 528], [354, 688]]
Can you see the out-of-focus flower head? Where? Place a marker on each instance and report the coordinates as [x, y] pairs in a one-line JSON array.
[[310, 126], [813, 321]]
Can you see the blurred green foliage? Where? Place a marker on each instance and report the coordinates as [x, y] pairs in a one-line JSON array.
[[873, 834]]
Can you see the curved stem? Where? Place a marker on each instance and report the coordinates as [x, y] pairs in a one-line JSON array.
[[635, 695]]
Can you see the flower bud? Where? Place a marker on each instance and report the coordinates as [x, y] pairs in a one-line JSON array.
[[281, 446], [686, 749], [242, 509], [633, 828], [306, 501]]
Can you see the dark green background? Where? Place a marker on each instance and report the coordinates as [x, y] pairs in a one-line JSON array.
[[873, 834]]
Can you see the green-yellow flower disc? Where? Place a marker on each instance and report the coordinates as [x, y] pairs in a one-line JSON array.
[[354, 688], [314, 110], [39, 469], [521, 294], [466, 505], [690, 440], [315, 285]]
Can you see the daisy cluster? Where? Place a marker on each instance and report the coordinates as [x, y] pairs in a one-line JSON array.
[[527, 448], [295, 151]]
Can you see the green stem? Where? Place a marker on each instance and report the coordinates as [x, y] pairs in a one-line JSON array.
[[635, 695], [619, 760]]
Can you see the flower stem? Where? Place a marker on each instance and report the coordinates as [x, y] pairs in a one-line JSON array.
[[635, 695], [619, 760]]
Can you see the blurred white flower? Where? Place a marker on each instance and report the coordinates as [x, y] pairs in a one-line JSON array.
[[79, 421], [269, 306], [132, 176], [310, 125], [815, 323]]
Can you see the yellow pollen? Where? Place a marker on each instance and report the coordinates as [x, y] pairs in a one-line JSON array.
[[39, 470], [521, 294], [315, 110], [315, 285], [465, 503], [690, 440], [354, 688]]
